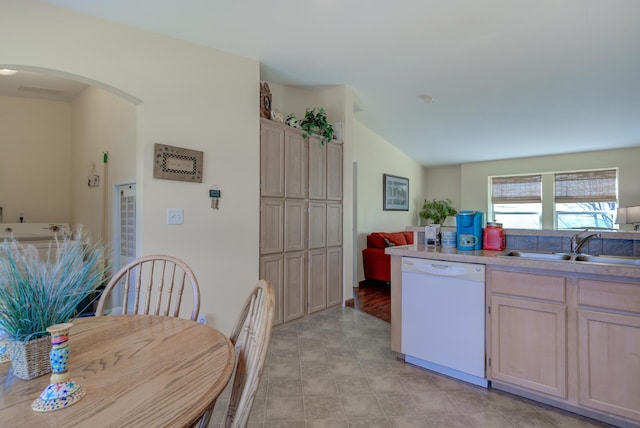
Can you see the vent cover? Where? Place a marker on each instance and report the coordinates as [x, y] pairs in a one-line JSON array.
[[38, 90]]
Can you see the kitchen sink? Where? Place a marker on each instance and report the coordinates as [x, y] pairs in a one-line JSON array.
[[581, 258], [536, 255], [613, 260]]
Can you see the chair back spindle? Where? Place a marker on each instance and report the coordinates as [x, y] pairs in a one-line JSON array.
[[160, 283]]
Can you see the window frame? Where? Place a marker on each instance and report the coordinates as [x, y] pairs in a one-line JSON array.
[[549, 214]]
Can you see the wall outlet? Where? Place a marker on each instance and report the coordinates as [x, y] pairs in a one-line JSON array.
[[202, 319], [175, 216]]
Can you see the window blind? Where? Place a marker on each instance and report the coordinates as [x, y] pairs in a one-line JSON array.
[[516, 189], [586, 186]]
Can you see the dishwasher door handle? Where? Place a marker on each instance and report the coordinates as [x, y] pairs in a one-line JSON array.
[[439, 269]]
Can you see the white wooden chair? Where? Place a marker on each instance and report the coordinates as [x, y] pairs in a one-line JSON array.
[[251, 337], [158, 278]]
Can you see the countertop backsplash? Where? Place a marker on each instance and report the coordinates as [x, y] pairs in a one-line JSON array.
[[615, 243]]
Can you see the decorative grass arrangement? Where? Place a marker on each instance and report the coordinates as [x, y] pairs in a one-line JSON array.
[[37, 291]]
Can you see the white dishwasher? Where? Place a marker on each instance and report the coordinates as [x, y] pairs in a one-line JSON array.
[[443, 317]]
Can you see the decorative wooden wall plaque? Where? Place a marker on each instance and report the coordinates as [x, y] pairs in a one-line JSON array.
[[176, 163]]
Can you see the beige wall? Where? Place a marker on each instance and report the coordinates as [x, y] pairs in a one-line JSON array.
[[189, 96], [101, 122], [444, 183], [375, 157], [474, 177], [35, 144]]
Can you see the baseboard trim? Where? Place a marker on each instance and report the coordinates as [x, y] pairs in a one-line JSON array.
[[602, 417]]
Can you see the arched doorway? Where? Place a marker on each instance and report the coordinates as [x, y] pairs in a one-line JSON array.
[[70, 142]]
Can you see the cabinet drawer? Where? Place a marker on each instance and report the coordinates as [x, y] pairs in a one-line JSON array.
[[544, 287], [609, 295]]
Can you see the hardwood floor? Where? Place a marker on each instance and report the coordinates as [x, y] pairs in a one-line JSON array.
[[372, 297]]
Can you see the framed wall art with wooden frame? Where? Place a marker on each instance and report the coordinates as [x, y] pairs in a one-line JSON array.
[[177, 163], [395, 193]]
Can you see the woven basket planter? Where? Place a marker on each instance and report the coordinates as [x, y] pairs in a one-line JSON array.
[[31, 359]]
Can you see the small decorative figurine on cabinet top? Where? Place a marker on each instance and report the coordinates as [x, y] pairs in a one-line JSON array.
[[277, 115]]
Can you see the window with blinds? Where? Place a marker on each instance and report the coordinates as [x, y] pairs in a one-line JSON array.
[[522, 188], [585, 199], [517, 201], [580, 199]]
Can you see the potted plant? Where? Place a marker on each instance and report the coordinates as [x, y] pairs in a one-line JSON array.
[[437, 210], [40, 290], [315, 121]]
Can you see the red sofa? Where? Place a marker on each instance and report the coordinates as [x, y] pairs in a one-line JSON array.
[[377, 264]]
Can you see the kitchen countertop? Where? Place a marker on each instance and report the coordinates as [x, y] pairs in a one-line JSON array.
[[487, 257]]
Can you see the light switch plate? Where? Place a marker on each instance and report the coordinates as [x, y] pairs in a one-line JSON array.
[[175, 216]]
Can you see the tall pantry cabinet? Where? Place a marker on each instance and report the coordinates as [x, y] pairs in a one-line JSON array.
[[300, 220]]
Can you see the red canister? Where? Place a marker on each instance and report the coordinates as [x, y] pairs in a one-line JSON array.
[[493, 237]]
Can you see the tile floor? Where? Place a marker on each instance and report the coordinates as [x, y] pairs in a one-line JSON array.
[[335, 369]]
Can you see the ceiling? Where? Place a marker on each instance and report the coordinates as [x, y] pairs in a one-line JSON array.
[[509, 78]]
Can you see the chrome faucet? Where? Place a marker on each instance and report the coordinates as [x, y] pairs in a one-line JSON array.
[[577, 242]]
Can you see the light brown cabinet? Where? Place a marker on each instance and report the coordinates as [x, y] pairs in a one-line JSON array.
[[334, 171], [271, 226], [295, 165], [334, 225], [609, 346], [271, 162], [317, 224], [295, 225], [317, 280], [529, 336], [271, 267], [529, 344], [294, 280], [300, 219], [567, 338], [334, 276], [317, 169]]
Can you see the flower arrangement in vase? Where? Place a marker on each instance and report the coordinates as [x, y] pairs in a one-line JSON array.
[[41, 290]]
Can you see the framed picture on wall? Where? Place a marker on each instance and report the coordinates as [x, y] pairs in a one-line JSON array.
[[395, 193]]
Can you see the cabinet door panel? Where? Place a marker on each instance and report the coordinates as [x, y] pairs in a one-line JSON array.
[[317, 224], [528, 344], [334, 224], [334, 276], [271, 160], [271, 269], [294, 281], [317, 280], [295, 169], [271, 223], [295, 225], [334, 171], [317, 169], [609, 362]]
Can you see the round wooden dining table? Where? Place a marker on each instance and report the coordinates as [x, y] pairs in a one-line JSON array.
[[138, 371]]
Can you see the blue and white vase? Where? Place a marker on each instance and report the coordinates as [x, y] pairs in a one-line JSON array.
[[61, 391]]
